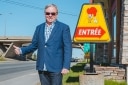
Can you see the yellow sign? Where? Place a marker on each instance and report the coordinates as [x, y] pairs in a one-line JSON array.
[[91, 26]]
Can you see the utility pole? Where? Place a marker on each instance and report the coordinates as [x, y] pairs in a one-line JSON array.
[[5, 23]]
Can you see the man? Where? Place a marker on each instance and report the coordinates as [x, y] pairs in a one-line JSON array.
[[52, 40]]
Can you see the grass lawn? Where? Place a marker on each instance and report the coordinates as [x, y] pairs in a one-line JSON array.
[[110, 82], [73, 77], [2, 59]]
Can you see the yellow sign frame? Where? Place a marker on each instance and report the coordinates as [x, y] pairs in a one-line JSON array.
[[91, 25]]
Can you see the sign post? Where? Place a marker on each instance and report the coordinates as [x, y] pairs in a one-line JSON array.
[[91, 58], [91, 27]]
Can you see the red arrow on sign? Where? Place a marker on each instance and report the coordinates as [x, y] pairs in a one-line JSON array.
[[83, 32]]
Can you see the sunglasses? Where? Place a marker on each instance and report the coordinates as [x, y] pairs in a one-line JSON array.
[[52, 13]]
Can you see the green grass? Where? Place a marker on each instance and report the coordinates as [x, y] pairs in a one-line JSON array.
[[110, 82], [2, 59], [73, 77]]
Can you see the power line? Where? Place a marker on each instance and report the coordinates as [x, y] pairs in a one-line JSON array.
[[29, 6], [21, 4]]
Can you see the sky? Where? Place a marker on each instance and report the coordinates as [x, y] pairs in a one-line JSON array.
[[20, 17]]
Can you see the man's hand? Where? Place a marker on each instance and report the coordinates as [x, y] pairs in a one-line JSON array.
[[16, 50], [64, 71]]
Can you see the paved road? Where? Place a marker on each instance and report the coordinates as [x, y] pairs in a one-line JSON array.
[[15, 69], [19, 73]]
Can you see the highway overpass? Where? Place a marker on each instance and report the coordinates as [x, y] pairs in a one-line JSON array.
[[6, 44]]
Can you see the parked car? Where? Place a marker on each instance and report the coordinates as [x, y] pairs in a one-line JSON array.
[[74, 60]]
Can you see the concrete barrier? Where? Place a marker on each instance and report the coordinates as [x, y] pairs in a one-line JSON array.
[[91, 79]]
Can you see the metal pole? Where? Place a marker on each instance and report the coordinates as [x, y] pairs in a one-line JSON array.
[[5, 23], [91, 58], [5, 28], [127, 74]]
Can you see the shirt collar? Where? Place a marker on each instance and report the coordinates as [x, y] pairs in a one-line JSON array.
[[52, 25]]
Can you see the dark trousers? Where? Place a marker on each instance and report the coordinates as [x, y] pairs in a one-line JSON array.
[[50, 78]]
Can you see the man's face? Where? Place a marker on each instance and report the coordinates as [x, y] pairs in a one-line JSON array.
[[50, 14]]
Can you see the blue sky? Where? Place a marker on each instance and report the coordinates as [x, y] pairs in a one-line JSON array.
[[20, 17]]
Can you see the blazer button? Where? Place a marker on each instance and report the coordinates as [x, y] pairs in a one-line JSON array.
[[45, 46]]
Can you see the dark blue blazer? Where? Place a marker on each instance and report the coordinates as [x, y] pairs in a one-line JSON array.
[[56, 53]]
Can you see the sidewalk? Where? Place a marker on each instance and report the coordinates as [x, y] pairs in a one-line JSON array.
[[30, 79]]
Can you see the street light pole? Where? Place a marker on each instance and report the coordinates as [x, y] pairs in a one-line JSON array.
[[5, 28], [5, 24]]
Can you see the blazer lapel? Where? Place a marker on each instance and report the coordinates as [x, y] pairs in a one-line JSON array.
[[42, 33]]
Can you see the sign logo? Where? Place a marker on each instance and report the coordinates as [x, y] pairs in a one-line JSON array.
[[91, 26]]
